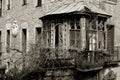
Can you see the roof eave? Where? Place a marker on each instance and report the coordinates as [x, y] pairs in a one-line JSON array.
[[80, 12]]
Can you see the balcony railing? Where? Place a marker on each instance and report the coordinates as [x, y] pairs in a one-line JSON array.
[[81, 60], [114, 56], [90, 60], [57, 58]]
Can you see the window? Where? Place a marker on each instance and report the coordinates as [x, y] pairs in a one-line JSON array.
[[0, 8], [96, 35], [24, 2], [75, 33], [0, 41], [24, 40], [58, 35], [93, 24], [47, 35], [92, 41], [101, 35], [8, 40], [39, 3], [38, 35], [8, 5]]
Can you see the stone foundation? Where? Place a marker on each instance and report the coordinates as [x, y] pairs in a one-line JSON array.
[[59, 74], [69, 74]]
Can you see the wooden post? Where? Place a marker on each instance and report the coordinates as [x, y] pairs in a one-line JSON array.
[[68, 34], [65, 34], [105, 35], [97, 35], [83, 33], [52, 35]]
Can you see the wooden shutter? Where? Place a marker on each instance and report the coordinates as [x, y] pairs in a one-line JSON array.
[[110, 38]]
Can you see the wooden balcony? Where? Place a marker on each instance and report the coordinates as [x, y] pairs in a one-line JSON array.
[[83, 61], [59, 58], [90, 60]]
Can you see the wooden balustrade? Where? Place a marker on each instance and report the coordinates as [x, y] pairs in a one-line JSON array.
[[82, 60]]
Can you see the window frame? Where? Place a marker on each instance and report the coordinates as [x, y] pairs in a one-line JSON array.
[[91, 39], [8, 41], [24, 2], [47, 34], [38, 35], [8, 5], [24, 40], [76, 39], [39, 3]]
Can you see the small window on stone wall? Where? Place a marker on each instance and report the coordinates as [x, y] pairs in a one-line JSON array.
[[24, 2], [39, 3], [24, 40], [8, 5], [38, 35], [8, 40]]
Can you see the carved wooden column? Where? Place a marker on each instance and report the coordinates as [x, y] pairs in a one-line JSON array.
[[97, 35], [52, 35], [65, 34], [105, 35], [68, 34], [83, 33]]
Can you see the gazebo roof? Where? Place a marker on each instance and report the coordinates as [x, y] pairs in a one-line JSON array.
[[76, 7]]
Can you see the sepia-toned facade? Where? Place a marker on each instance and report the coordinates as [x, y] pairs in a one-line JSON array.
[[89, 26]]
